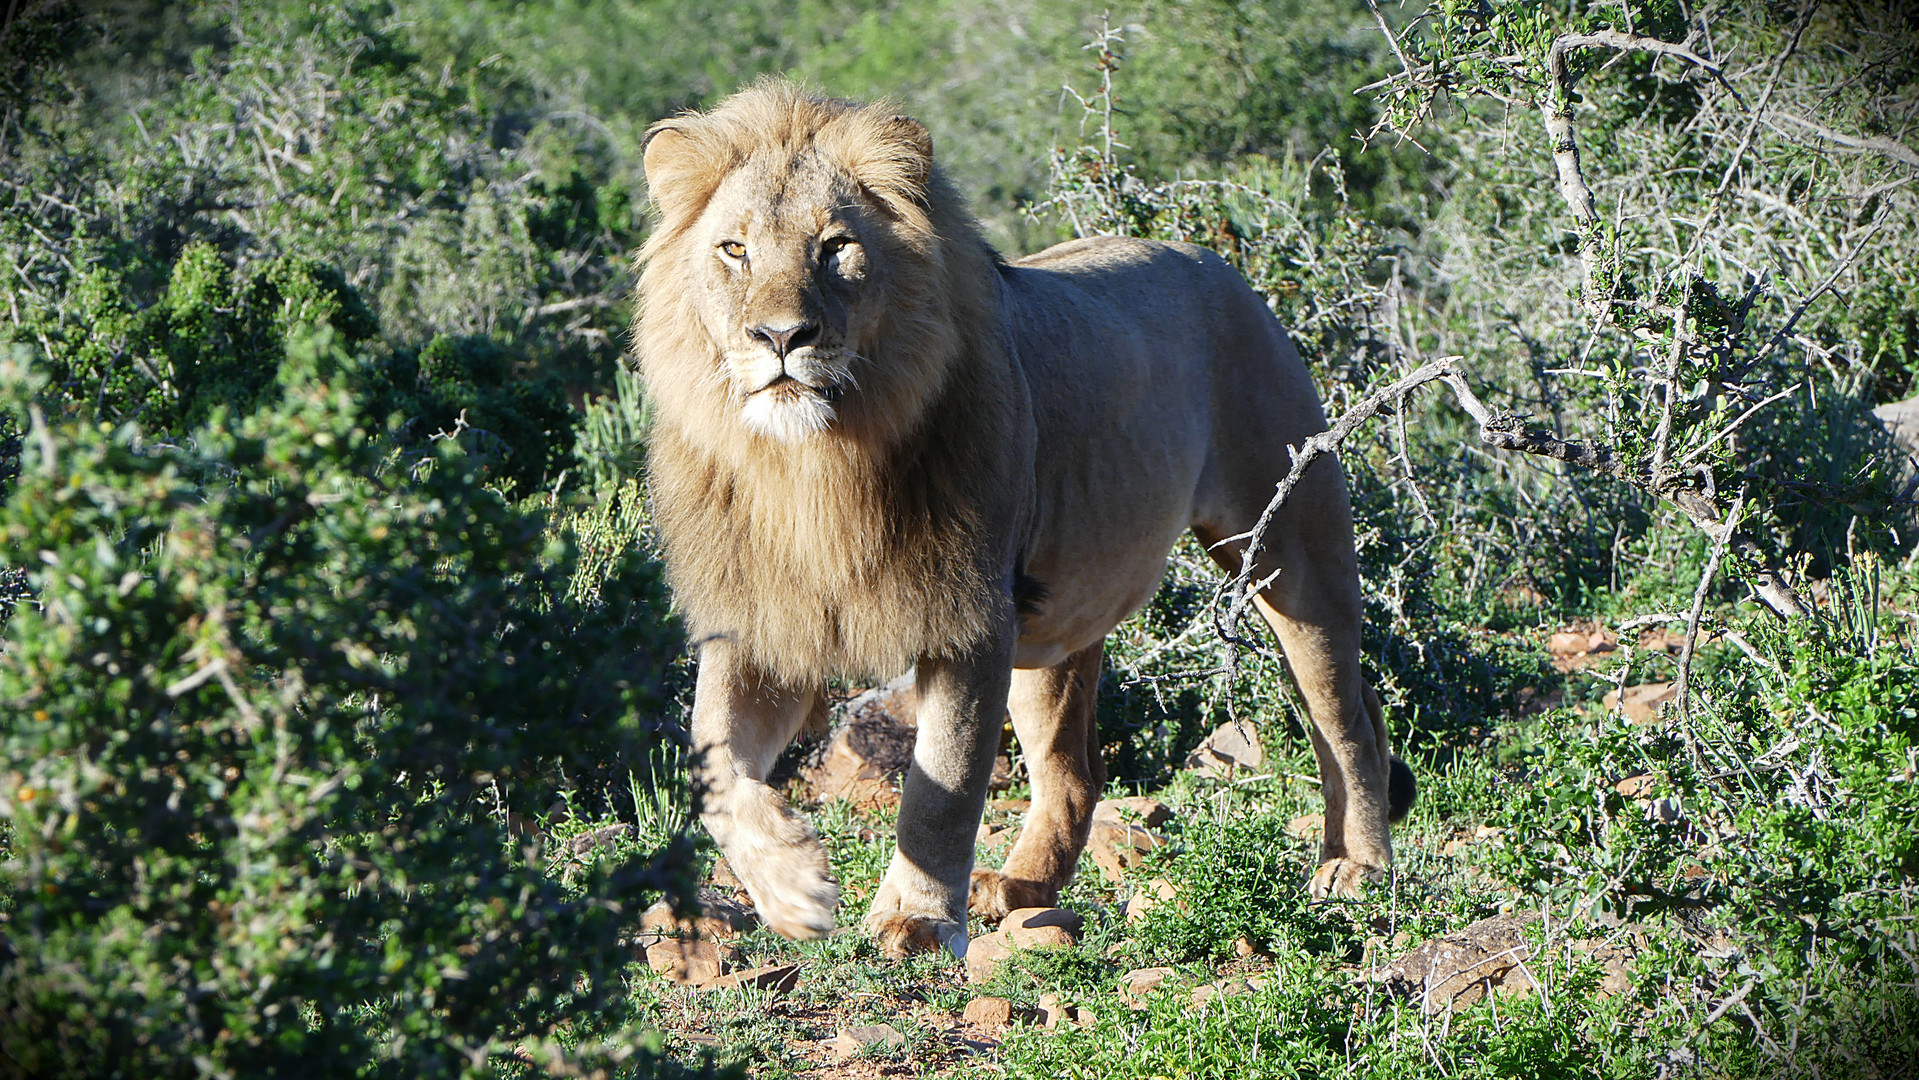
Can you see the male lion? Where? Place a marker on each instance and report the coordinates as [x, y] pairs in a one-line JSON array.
[[879, 445]]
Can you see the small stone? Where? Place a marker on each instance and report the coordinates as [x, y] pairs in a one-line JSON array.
[[1307, 827], [1033, 918], [1133, 810], [1118, 848], [1580, 646], [689, 961], [1230, 750], [1455, 970], [602, 837], [1641, 703], [1636, 787], [1227, 987], [723, 877], [1052, 1012], [719, 917], [984, 954], [1145, 898], [992, 837], [774, 979], [1615, 963], [864, 761], [991, 1013], [852, 1040], [1243, 948], [1137, 985]]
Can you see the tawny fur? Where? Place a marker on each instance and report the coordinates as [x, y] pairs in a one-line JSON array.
[[877, 444], [856, 552]]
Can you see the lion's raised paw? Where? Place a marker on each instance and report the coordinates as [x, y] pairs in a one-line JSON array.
[[1342, 879]]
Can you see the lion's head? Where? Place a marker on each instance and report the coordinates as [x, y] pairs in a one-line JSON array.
[[801, 243], [835, 414]]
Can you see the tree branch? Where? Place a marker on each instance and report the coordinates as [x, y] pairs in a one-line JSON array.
[[1897, 151], [1505, 431]]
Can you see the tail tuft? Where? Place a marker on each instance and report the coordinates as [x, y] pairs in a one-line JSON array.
[[1402, 790]]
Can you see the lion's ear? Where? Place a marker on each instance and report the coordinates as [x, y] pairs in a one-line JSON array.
[[682, 169], [891, 156]]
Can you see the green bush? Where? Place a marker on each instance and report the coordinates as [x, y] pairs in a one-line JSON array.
[[259, 736]]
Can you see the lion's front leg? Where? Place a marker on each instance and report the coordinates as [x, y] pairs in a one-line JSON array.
[[741, 722], [921, 903]]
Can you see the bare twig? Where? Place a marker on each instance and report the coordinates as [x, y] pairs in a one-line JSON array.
[[1897, 151], [1505, 432], [1680, 684], [1734, 426]]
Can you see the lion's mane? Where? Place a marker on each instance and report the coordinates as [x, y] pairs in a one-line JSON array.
[[858, 550]]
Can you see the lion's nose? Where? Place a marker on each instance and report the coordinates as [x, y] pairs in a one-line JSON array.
[[785, 339]]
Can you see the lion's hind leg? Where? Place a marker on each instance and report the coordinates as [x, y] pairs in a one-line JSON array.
[[1055, 715], [1312, 603]]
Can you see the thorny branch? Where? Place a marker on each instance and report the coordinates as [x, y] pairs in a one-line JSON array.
[[1504, 431]]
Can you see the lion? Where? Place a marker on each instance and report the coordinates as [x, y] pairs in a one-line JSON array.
[[878, 445]]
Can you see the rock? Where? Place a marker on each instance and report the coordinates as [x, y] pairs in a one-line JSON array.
[[1024, 926], [1636, 787], [1053, 1012], [1117, 848], [1137, 985], [719, 917], [1902, 423], [723, 877], [1641, 703], [993, 837], [1232, 749], [1307, 827], [897, 701], [991, 1013], [1002, 777], [852, 1040], [1463, 840], [602, 837], [774, 979], [864, 761], [1455, 970], [1243, 948], [1580, 646], [1146, 897], [1665, 810], [1615, 964], [1227, 987], [984, 955], [690, 961], [1132, 810]]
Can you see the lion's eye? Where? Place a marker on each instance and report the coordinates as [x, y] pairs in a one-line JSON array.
[[833, 245], [733, 249]]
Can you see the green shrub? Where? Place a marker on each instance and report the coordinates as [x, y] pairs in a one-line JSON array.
[[259, 735]]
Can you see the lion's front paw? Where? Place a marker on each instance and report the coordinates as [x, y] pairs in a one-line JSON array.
[[903, 935], [1343, 879], [791, 890], [992, 895]]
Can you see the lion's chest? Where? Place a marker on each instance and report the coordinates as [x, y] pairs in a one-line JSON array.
[[814, 581]]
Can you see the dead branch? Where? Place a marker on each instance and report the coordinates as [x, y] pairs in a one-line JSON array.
[[1504, 431], [1891, 148]]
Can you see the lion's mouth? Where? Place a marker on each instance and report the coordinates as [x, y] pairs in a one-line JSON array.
[[785, 388]]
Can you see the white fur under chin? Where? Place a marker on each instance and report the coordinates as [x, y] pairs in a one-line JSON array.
[[789, 418]]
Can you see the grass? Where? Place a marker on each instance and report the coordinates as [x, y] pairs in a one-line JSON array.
[[1518, 814]]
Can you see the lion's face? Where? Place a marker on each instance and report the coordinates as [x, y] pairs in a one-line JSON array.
[[805, 263], [791, 287]]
